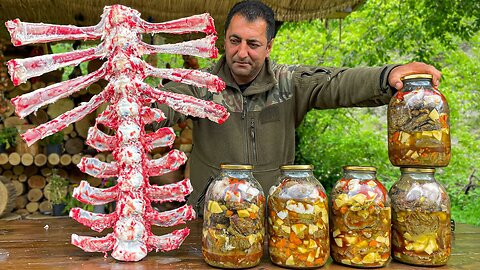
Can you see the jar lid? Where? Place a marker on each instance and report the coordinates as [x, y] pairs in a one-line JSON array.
[[236, 166], [418, 170], [296, 167], [417, 76], [360, 168]]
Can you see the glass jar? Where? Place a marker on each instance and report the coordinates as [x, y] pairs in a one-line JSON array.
[[360, 219], [418, 124], [421, 232], [298, 219], [233, 220]]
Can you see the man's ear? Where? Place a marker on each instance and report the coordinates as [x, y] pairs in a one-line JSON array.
[[269, 47]]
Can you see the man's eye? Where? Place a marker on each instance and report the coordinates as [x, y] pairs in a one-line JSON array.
[[234, 41], [254, 45]]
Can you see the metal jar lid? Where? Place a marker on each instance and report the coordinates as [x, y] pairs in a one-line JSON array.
[[296, 167], [360, 168], [236, 166], [417, 76], [417, 170]]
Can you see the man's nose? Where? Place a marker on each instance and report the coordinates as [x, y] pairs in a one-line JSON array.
[[242, 50]]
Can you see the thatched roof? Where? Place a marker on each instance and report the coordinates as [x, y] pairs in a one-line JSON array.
[[87, 12]]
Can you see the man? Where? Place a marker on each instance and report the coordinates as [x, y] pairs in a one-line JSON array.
[[267, 101]]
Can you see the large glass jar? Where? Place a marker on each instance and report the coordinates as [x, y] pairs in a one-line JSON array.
[[421, 218], [418, 125], [298, 219], [234, 224], [360, 219]]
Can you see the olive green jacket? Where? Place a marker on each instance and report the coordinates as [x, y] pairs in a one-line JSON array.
[[261, 127]]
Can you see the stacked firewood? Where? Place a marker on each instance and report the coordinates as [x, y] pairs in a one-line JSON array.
[[29, 168]]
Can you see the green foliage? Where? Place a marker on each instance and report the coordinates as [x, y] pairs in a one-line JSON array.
[[8, 136], [56, 138], [57, 188], [442, 33]]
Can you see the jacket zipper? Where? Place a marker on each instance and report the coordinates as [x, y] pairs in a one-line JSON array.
[[244, 115], [253, 137]]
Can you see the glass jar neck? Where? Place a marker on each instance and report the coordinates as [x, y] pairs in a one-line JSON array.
[[237, 173], [297, 173], [419, 176], [411, 84], [362, 175]]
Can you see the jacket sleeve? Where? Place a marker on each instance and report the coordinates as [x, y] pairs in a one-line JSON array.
[[327, 88]]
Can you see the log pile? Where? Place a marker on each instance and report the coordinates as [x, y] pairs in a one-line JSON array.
[[26, 169]]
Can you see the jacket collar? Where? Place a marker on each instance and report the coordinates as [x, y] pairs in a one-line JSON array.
[[264, 81]]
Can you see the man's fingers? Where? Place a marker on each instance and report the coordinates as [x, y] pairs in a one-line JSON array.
[[394, 78]]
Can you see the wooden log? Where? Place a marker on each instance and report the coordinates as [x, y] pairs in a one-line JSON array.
[[109, 158], [14, 121], [74, 146], [21, 202], [67, 130], [82, 126], [36, 181], [3, 158], [14, 158], [76, 158], [54, 159], [39, 117], [37, 85], [27, 159], [100, 157], [45, 207], [94, 89], [59, 107], [47, 172], [34, 195], [40, 160], [19, 187], [25, 87], [22, 212], [76, 177], [30, 170], [46, 191], [32, 207], [22, 178], [7, 166], [7, 196], [62, 173], [14, 93], [18, 169], [21, 146], [10, 109], [94, 182], [66, 159], [7, 174]]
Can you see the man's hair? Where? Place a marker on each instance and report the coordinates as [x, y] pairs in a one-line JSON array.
[[252, 10]]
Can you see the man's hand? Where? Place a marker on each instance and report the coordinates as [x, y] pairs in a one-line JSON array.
[[413, 68]]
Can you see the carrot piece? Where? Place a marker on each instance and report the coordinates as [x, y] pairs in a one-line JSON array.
[[294, 239], [287, 252], [253, 215], [318, 261], [344, 209], [229, 213], [282, 243], [373, 243]]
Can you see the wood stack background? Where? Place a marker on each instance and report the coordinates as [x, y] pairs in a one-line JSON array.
[[28, 168]]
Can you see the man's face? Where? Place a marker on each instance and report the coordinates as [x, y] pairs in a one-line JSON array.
[[246, 48]]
